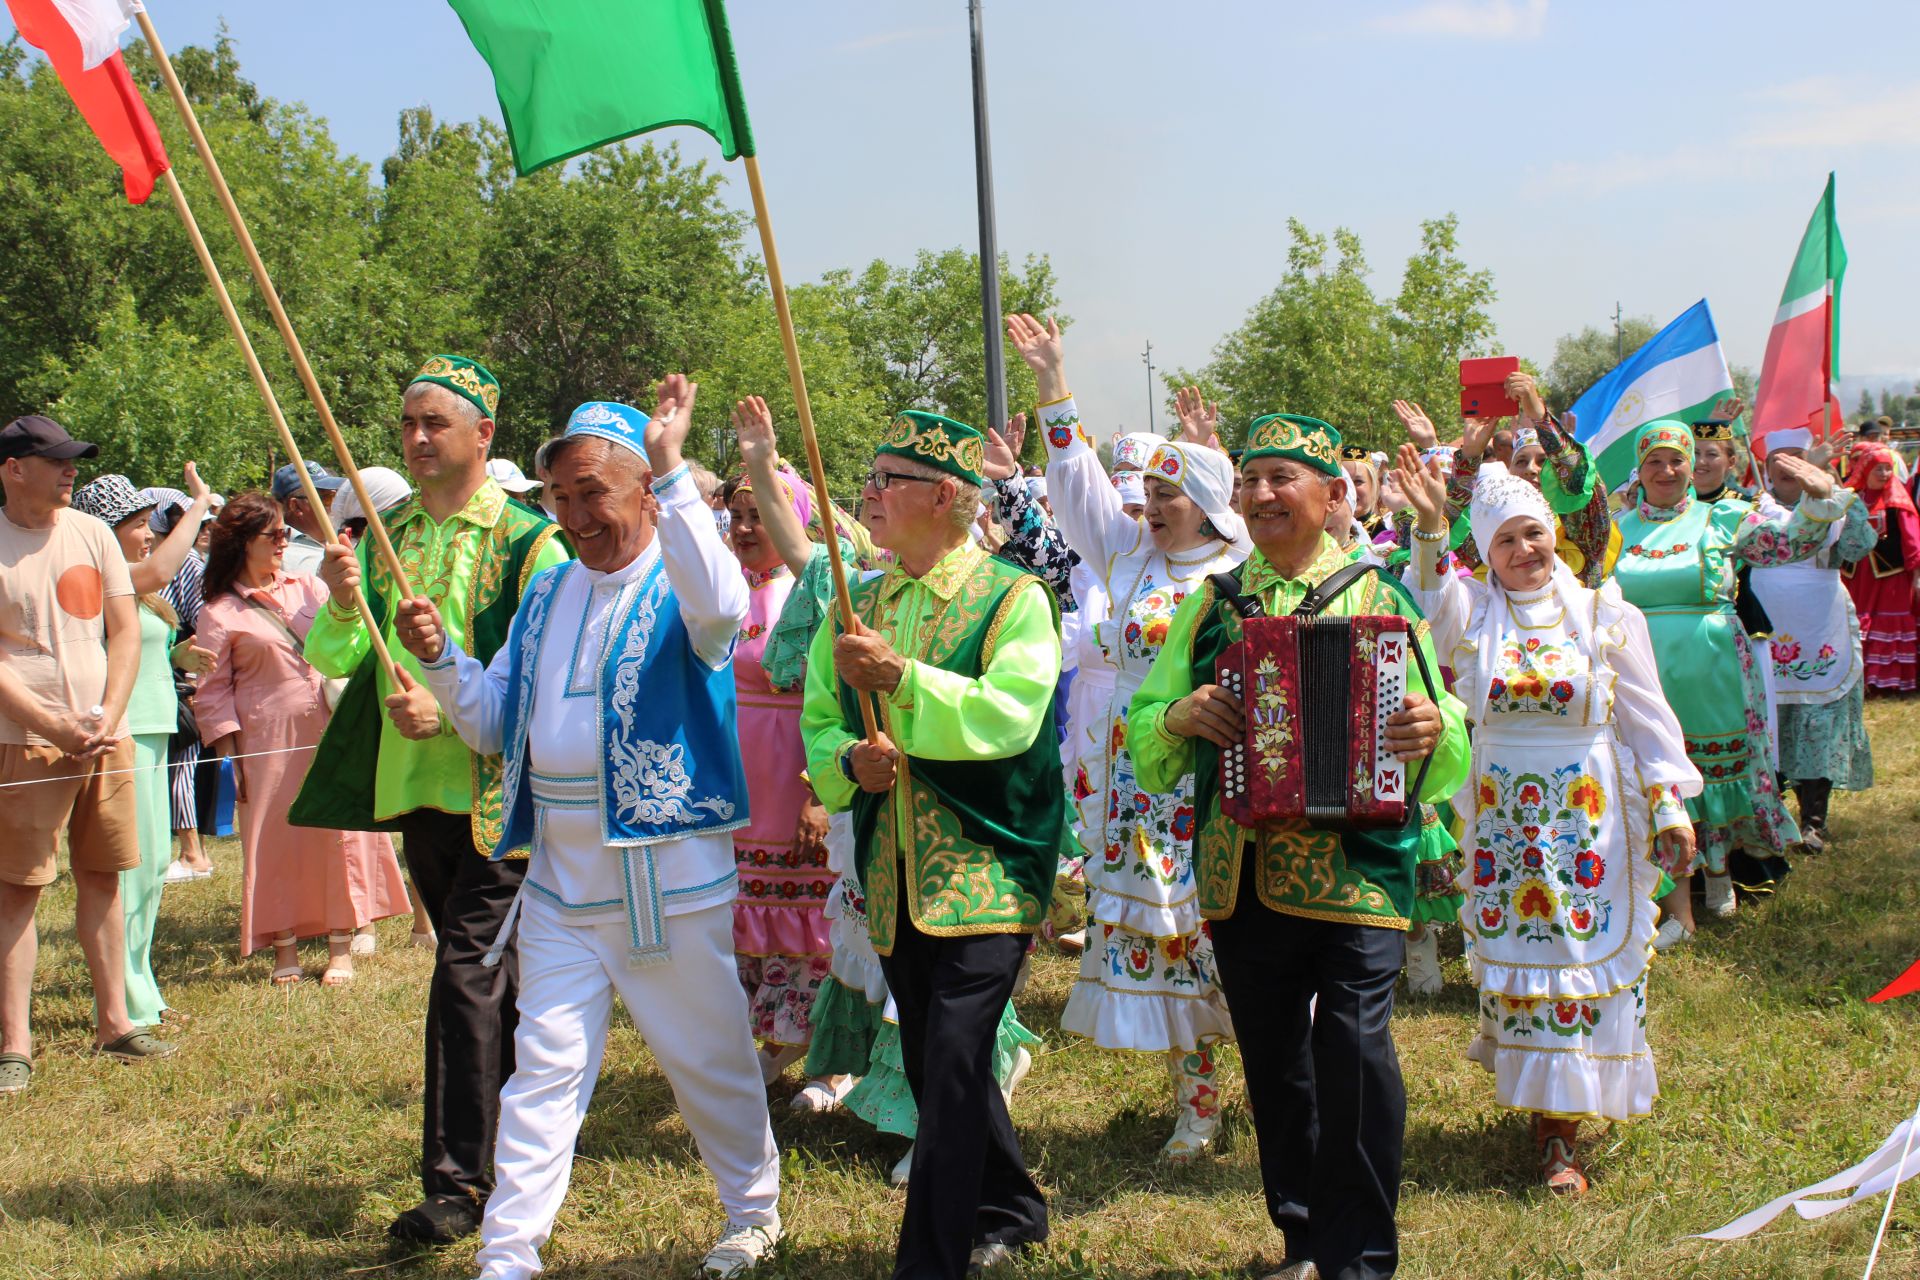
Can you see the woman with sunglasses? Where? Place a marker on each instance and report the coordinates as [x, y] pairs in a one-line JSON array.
[[262, 704]]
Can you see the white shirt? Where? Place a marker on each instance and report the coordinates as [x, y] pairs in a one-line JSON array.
[[571, 867]]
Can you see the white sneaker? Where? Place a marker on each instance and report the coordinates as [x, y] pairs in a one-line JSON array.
[[1423, 964], [740, 1250], [178, 872], [902, 1171], [1720, 899], [823, 1095], [1075, 942], [1672, 933], [1022, 1063]]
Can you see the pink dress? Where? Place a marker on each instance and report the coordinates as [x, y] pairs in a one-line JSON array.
[[297, 880], [780, 932]]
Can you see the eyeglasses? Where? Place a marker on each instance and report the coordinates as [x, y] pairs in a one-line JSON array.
[[280, 536], [879, 480]]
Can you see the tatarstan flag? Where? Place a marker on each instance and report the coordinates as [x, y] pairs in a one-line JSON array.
[[1798, 378], [573, 75], [81, 38]]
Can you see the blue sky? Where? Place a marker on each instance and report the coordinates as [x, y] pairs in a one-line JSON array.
[[1650, 153]]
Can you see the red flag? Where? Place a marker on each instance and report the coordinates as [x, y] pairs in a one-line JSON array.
[[1799, 379], [103, 91], [1904, 985]]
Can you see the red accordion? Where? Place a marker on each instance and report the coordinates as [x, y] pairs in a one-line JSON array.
[[1317, 693]]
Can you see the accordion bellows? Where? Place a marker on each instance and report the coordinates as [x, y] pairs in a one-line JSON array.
[[1317, 693]]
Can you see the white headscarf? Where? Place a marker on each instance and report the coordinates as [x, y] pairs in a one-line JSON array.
[[1132, 489], [1500, 496], [387, 487], [1135, 449], [1205, 475]]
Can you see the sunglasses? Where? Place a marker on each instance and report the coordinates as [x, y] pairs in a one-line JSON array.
[[879, 480], [280, 536]]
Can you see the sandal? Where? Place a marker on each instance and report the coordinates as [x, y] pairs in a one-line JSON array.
[[427, 941], [16, 1072], [824, 1094], [137, 1046], [364, 943], [287, 974], [336, 977]]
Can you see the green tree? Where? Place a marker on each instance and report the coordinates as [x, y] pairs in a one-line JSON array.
[[1322, 343], [1582, 359]]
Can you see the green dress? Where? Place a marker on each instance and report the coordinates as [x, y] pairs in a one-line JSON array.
[[1678, 565], [152, 713]]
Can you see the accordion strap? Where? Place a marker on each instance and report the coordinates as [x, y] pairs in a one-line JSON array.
[[1331, 587]]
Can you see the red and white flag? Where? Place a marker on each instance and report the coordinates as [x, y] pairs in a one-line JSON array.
[[81, 38], [1799, 377]]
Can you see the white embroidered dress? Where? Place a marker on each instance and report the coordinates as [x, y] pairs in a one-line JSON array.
[[1147, 979], [1578, 762]]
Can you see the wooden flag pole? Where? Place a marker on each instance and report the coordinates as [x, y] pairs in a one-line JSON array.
[[375, 525], [273, 405], [816, 468]]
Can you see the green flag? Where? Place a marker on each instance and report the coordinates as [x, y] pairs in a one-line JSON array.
[[573, 75]]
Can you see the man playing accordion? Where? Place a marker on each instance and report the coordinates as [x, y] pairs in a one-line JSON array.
[[1303, 913]]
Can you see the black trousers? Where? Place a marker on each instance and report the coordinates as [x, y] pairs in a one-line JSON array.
[[1328, 1104], [470, 1008], [969, 1185]]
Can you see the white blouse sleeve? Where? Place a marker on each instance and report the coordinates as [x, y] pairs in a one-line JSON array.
[[1447, 599], [1085, 505], [1647, 725]]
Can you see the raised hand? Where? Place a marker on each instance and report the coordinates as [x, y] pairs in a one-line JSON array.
[[1815, 482], [1475, 435], [1521, 387], [753, 429], [1419, 426], [1039, 345], [1199, 417], [1016, 434], [1424, 487], [1729, 409], [1002, 462], [671, 422], [196, 487]]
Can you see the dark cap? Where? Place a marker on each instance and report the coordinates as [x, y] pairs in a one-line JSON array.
[[286, 481], [36, 437]]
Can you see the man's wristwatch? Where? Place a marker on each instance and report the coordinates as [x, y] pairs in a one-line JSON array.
[[846, 762]]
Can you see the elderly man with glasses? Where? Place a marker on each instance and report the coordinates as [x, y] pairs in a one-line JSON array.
[[956, 805]]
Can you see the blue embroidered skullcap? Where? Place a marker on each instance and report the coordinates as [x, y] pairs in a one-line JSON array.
[[622, 424]]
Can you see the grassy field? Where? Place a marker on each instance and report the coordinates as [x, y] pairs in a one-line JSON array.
[[283, 1137]]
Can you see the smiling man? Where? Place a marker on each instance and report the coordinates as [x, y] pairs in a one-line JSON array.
[[613, 702], [472, 553], [1303, 913], [957, 809]]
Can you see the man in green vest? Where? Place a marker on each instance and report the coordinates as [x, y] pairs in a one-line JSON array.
[[1302, 913], [957, 806], [470, 551]]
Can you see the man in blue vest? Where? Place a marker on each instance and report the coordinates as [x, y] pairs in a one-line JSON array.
[[612, 703]]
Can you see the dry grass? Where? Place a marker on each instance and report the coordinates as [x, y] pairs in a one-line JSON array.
[[283, 1138]]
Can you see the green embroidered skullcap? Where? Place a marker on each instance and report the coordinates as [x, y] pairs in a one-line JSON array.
[[952, 447], [1291, 435], [468, 379]]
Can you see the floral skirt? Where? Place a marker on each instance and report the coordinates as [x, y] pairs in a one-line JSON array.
[[1744, 812], [780, 995], [1828, 741], [1571, 1059], [1147, 977]]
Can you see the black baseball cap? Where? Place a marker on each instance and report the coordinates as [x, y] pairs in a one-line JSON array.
[[36, 437]]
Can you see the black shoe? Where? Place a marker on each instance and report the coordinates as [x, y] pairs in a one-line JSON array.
[[437, 1220]]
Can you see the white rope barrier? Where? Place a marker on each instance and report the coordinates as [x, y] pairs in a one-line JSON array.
[[108, 773]]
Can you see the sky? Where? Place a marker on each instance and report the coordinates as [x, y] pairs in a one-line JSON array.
[[1632, 152]]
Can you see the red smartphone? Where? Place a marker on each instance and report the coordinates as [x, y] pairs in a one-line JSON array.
[[1483, 387]]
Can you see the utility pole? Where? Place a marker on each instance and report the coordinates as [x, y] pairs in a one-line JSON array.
[[990, 321], [1147, 357], [1619, 337]]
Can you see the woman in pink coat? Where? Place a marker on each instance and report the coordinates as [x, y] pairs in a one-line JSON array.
[[263, 705]]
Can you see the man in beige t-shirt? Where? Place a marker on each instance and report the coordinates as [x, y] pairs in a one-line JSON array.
[[69, 650]]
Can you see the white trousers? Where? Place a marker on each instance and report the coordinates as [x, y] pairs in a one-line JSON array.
[[692, 1013]]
